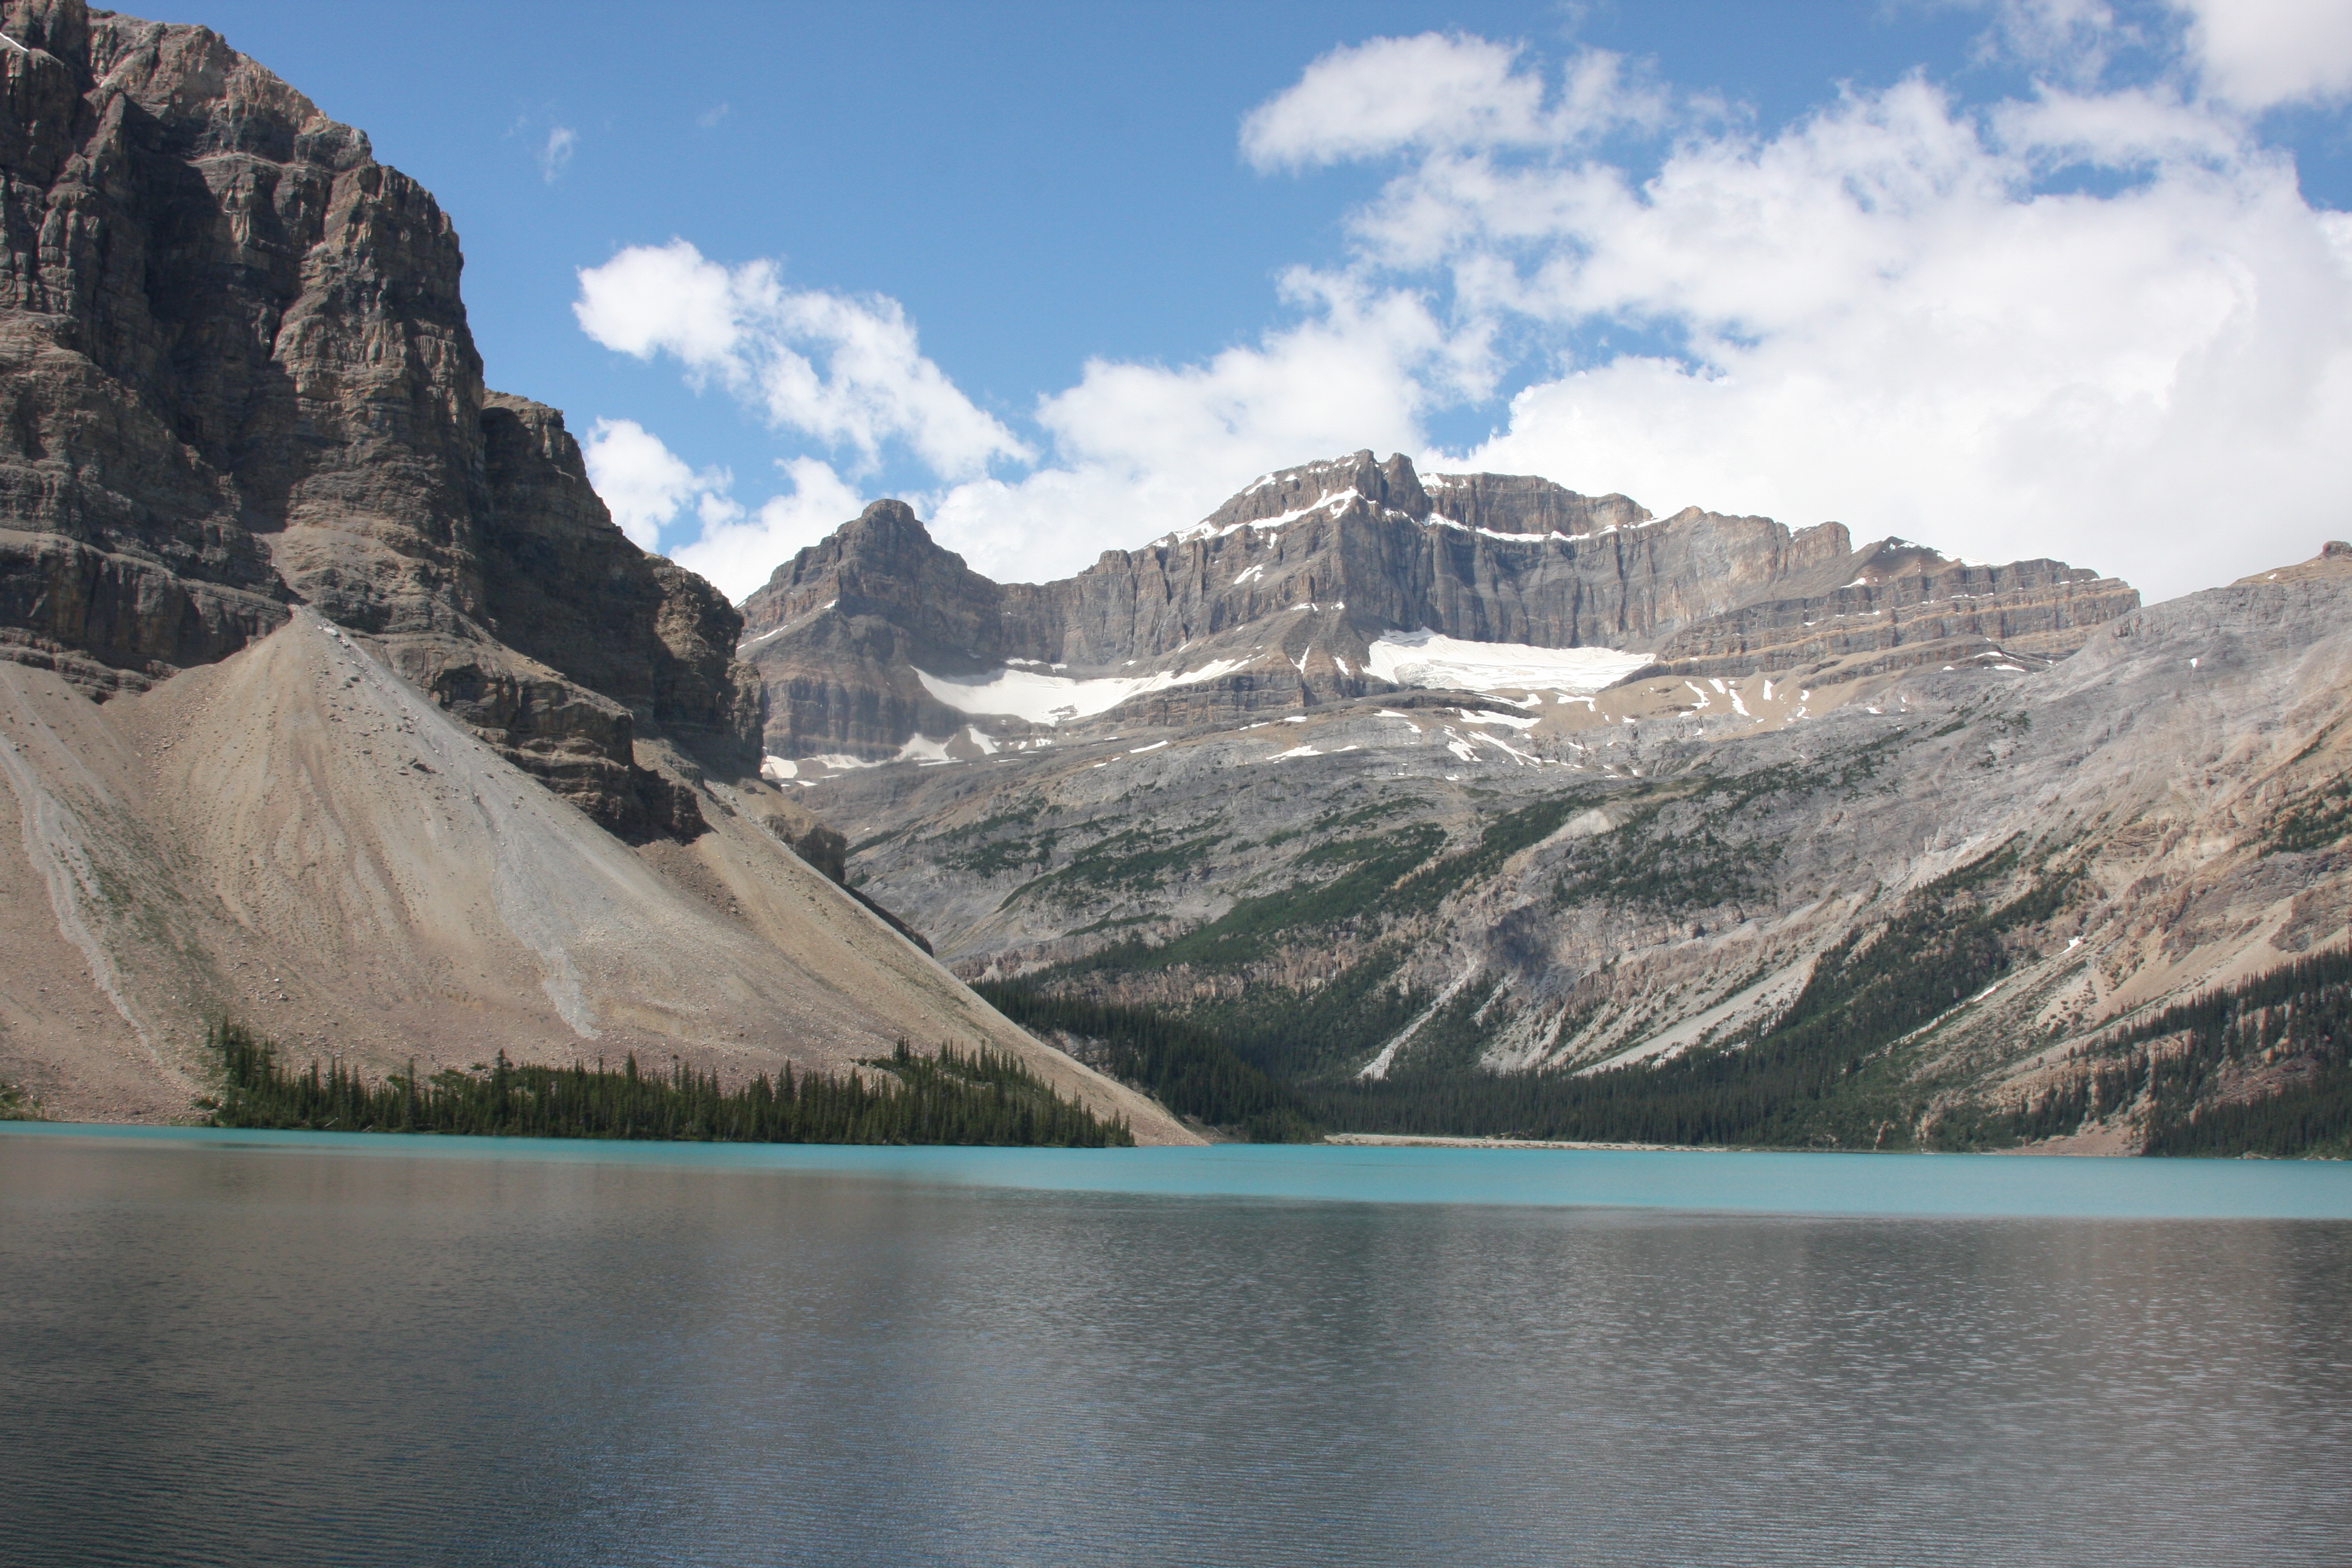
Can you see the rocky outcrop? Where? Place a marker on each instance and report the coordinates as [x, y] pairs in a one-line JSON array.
[[828, 851], [2334, 561], [1903, 596], [838, 632], [1286, 588], [1520, 503], [235, 375]]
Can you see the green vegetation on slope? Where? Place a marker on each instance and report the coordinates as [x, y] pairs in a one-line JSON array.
[[1821, 1076], [1191, 1070], [1296, 1033], [2319, 820], [2291, 1025], [1133, 861], [985, 1097]]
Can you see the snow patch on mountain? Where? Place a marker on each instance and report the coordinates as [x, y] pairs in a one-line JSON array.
[[1053, 698], [1427, 658]]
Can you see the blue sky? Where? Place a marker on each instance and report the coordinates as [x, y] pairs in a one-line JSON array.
[[2016, 278]]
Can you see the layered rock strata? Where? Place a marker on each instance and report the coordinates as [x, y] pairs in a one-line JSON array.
[[236, 376], [1287, 587]]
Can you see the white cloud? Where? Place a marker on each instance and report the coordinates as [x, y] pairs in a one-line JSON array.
[[743, 328], [1909, 314], [1878, 317], [1145, 449], [647, 487], [643, 483], [555, 156], [738, 552], [2072, 39], [1437, 91], [2257, 53]]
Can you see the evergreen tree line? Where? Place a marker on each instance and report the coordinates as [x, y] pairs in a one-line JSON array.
[[1191, 1070], [981, 1097], [2300, 1012]]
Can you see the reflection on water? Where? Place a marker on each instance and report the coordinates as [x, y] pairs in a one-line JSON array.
[[223, 1356]]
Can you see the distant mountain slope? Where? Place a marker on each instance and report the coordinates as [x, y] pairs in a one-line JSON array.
[[877, 642], [1961, 876]]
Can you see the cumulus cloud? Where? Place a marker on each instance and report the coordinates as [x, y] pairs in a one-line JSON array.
[[1878, 315], [2258, 53], [738, 550], [1438, 91], [2097, 321], [846, 371], [1137, 449], [647, 487], [1142, 448], [643, 483]]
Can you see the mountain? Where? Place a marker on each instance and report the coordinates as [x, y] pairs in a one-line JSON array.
[[1309, 588], [331, 699], [1821, 845]]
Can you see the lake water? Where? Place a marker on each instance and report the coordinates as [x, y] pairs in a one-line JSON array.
[[266, 1349]]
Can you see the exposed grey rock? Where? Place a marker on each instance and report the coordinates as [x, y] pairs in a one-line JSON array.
[[235, 373], [1698, 858], [1291, 581]]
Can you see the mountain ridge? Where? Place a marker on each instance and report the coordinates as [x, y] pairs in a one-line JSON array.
[[1286, 591]]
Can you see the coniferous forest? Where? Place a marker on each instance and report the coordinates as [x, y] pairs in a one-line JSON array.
[[2260, 1067], [2263, 1067], [979, 1096], [1192, 1070]]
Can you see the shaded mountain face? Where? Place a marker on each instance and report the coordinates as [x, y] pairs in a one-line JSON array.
[[237, 377], [250, 478], [878, 644]]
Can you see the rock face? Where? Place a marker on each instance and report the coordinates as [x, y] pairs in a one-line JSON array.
[[237, 377], [286, 597], [1287, 587], [1424, 883]]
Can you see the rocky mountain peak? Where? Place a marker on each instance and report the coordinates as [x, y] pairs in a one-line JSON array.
[[884, 528], [1389, 487], [236, 376], [883, 562], [876, 643], [1523, 503]]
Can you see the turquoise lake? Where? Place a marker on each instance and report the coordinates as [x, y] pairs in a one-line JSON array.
[[286, 1348]]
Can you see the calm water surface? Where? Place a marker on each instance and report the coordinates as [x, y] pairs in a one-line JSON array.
[[294, 1349]]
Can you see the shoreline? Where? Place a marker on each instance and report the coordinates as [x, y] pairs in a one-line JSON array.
[[1439, 1140]]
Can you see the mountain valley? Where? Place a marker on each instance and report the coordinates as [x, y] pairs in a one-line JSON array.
[[333, 704]]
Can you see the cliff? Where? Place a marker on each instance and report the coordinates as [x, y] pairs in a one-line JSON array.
[[238, 378], [287, 597], [1286, 591]]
